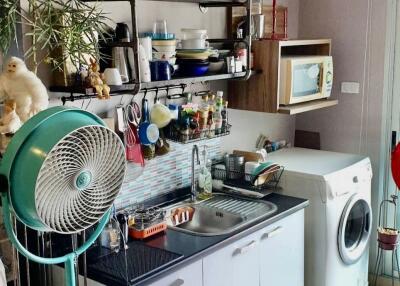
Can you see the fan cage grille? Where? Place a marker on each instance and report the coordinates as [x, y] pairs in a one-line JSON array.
[[61, 205]]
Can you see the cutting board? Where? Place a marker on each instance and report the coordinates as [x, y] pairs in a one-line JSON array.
[[249, 156]]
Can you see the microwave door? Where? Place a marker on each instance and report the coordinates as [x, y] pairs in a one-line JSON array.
[[306, 82]]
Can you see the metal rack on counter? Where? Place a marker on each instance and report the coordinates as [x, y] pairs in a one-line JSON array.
[[261, 184]]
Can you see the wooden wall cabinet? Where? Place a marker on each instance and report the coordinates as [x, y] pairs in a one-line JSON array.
[[261, 91]]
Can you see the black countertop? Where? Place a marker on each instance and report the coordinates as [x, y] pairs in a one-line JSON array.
[[146, 261]]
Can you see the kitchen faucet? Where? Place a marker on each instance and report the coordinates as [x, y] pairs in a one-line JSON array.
[[193, 189]]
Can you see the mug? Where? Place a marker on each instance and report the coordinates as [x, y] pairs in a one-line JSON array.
[[161, 70], [258, 26], [148, 132], [193, 44]]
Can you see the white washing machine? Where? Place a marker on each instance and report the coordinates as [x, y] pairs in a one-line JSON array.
[[338, 219]]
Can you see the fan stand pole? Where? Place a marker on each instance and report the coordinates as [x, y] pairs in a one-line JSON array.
[[68, 259], [70, 275]]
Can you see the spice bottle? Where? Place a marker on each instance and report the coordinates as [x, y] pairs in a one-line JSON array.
[[185, 130]]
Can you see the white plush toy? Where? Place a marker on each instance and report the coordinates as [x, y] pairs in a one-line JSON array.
[[23, 86]]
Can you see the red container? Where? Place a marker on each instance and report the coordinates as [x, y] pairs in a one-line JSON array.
[[386, 246], [147, 232], [388, 238]]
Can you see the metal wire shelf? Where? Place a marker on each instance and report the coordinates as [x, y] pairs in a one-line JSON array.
[[179, 136]]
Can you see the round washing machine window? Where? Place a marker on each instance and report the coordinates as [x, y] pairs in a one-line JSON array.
[[354, 229]]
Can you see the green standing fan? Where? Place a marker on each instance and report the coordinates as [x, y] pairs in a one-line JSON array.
[[61, 173]]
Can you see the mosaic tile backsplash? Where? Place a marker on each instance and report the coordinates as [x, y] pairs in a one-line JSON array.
[[163, 174]]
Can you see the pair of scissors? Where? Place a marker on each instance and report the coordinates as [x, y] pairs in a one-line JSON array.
[[133, 113], [133, 116]]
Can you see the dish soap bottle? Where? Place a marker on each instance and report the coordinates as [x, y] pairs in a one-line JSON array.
[[217, 117], [205, 178]]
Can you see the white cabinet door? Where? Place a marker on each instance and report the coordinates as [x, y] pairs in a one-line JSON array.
[[281, 252], [191, 275], [234, 265]]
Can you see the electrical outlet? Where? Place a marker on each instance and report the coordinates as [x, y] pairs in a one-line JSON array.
[[350, 87]]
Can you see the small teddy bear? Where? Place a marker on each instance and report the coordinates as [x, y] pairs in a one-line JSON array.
[[96, 80], [10, 122]]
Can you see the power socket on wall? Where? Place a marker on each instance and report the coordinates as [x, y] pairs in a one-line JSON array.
[[350, 87]]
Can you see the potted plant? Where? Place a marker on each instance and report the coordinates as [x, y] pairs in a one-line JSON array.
[[59, 32]]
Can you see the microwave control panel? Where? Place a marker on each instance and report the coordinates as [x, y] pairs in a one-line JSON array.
[[328, 76]]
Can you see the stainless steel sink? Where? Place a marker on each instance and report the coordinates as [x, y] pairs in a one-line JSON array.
[[221, 214]]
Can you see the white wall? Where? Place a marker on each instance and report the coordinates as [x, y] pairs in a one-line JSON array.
[[248, 125], [358, 30], [346, 23]]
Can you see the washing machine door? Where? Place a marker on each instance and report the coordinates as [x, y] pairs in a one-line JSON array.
[[354, 229]]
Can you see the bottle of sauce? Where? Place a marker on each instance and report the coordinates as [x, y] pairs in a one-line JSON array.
[[203, 110], [224, 115]]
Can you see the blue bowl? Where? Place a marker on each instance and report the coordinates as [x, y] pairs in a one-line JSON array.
[[155, 36], [193, 69]]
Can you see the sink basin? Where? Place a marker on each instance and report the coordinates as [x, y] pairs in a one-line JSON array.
[[221, 214]]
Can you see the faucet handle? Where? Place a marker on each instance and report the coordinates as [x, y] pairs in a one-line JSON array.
[[195, 151]]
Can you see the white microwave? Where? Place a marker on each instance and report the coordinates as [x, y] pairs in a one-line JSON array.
[[305, 78]]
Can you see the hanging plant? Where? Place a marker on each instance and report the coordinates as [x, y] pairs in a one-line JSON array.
[[71, 26]]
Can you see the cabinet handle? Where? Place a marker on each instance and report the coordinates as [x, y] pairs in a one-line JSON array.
[[178, 282], [272, 233], [245, 248]]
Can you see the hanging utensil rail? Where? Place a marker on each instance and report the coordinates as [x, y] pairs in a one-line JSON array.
[[73, 97]]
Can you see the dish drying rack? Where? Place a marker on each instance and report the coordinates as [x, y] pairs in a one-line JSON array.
[[243, 180], [148, 222]]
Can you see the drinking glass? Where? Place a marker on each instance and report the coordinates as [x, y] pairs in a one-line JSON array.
[[160, 27]]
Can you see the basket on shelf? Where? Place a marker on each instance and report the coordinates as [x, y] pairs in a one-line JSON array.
[[388, 238], [175, 134]]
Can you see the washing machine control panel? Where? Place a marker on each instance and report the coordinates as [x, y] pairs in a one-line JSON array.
[[350, 181]]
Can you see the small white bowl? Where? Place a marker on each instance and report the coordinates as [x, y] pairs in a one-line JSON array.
[[163, 49], [163, 42], [216, 66], [112, 76]]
